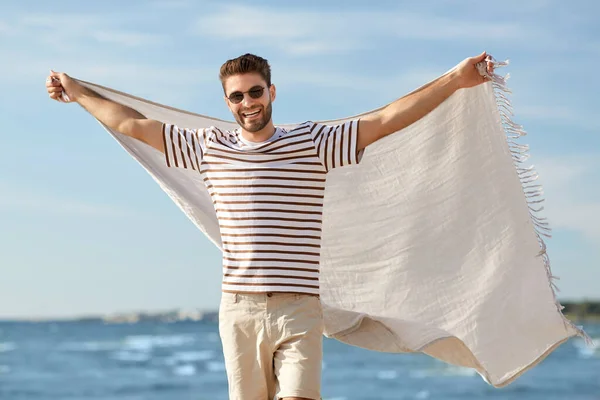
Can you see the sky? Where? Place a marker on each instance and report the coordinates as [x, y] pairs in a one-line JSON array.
[[85, 230]]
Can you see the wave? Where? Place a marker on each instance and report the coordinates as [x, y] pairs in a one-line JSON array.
[[137, 389], [189, 356], [215, 366], [131, 356], [135, 342], [585, 351], [148, 342], [423, 394], [213, 337], [152, 374], [386, 375], [185, 370], [89, 346], [449, 370], [7, 346]]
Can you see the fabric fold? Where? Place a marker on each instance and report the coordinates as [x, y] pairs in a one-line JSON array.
[[432, 244]]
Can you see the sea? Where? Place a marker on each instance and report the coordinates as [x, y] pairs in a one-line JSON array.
[[183, 361]]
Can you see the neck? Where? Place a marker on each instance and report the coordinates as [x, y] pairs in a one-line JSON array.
[[260, 136]]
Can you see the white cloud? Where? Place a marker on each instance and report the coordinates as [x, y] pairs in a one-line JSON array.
[[477, 6], [4, 28], [87, 64], [301, 31], [556, 113], [129, 39], [170, 4], [142, 74], [69, 28], [325, 32], [573, 196], [383, 86], [19, 199], [172, 84], [544, 112], [578, 216], [59, 20]]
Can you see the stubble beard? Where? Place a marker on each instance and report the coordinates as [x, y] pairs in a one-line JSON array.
[[255, 126]]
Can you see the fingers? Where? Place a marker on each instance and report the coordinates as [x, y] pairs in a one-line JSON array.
[[55, 95], [54, 86], [52, 83], [488, 59], [57, 77], [55, 89], [479, 58]]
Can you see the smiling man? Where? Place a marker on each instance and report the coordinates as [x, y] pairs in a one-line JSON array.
[[267, 185]]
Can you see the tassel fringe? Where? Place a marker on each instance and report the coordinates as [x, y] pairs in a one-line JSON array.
[[527, 175]]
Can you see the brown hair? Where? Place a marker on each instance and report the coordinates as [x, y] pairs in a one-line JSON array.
[[248, 63]]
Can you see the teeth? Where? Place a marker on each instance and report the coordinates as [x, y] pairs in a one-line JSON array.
[[251, 114]]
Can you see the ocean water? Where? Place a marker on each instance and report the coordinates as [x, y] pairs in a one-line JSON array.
[[177, 361]]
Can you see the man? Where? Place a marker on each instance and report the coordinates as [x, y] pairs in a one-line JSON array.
[[267, 185]]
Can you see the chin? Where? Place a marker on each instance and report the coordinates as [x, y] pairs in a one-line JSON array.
[[255, 127]]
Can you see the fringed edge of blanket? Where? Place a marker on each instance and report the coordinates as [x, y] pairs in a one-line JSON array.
[[528, 177]]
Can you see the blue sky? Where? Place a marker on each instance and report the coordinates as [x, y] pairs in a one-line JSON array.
[[86, 230]]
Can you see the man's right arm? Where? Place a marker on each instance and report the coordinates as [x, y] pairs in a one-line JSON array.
[[116, 116]]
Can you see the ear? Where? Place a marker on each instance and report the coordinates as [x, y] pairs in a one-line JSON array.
[[227, 103], [273, 92]]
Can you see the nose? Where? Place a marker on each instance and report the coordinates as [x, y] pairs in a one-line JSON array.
[[248, 101]]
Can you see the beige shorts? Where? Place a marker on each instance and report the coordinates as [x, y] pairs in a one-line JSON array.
[[273, 345]]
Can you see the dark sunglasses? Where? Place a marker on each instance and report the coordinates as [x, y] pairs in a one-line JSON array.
[[255, 92]]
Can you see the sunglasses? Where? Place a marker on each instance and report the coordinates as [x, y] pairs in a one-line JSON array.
[[255, 92]]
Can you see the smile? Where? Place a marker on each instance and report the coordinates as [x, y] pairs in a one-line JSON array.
[[251, 114]]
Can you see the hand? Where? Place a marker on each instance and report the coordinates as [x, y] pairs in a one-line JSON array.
[[467, 74], [58, 83]]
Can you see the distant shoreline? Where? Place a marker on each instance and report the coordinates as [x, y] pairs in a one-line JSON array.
[[128, 317], [589, 318], [582, 311]]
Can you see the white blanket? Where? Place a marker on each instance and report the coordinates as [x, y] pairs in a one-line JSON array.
[[432, 244]]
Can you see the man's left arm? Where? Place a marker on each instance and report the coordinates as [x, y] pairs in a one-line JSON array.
[[411, 108]]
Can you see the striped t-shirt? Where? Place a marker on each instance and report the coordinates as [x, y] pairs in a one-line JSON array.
[[268, 198]]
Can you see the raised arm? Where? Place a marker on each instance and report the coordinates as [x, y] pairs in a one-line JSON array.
[[409, 109], [116, 116]]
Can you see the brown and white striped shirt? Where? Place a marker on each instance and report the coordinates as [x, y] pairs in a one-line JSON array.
[[268, 198]]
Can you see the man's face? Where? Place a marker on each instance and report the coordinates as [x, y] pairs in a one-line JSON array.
[[253, 114]]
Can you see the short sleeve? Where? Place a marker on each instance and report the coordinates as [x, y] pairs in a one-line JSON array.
[[184, 148], [336, 144]]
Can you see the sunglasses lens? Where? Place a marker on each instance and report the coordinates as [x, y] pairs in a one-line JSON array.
[[256, 92], [236, 97]]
